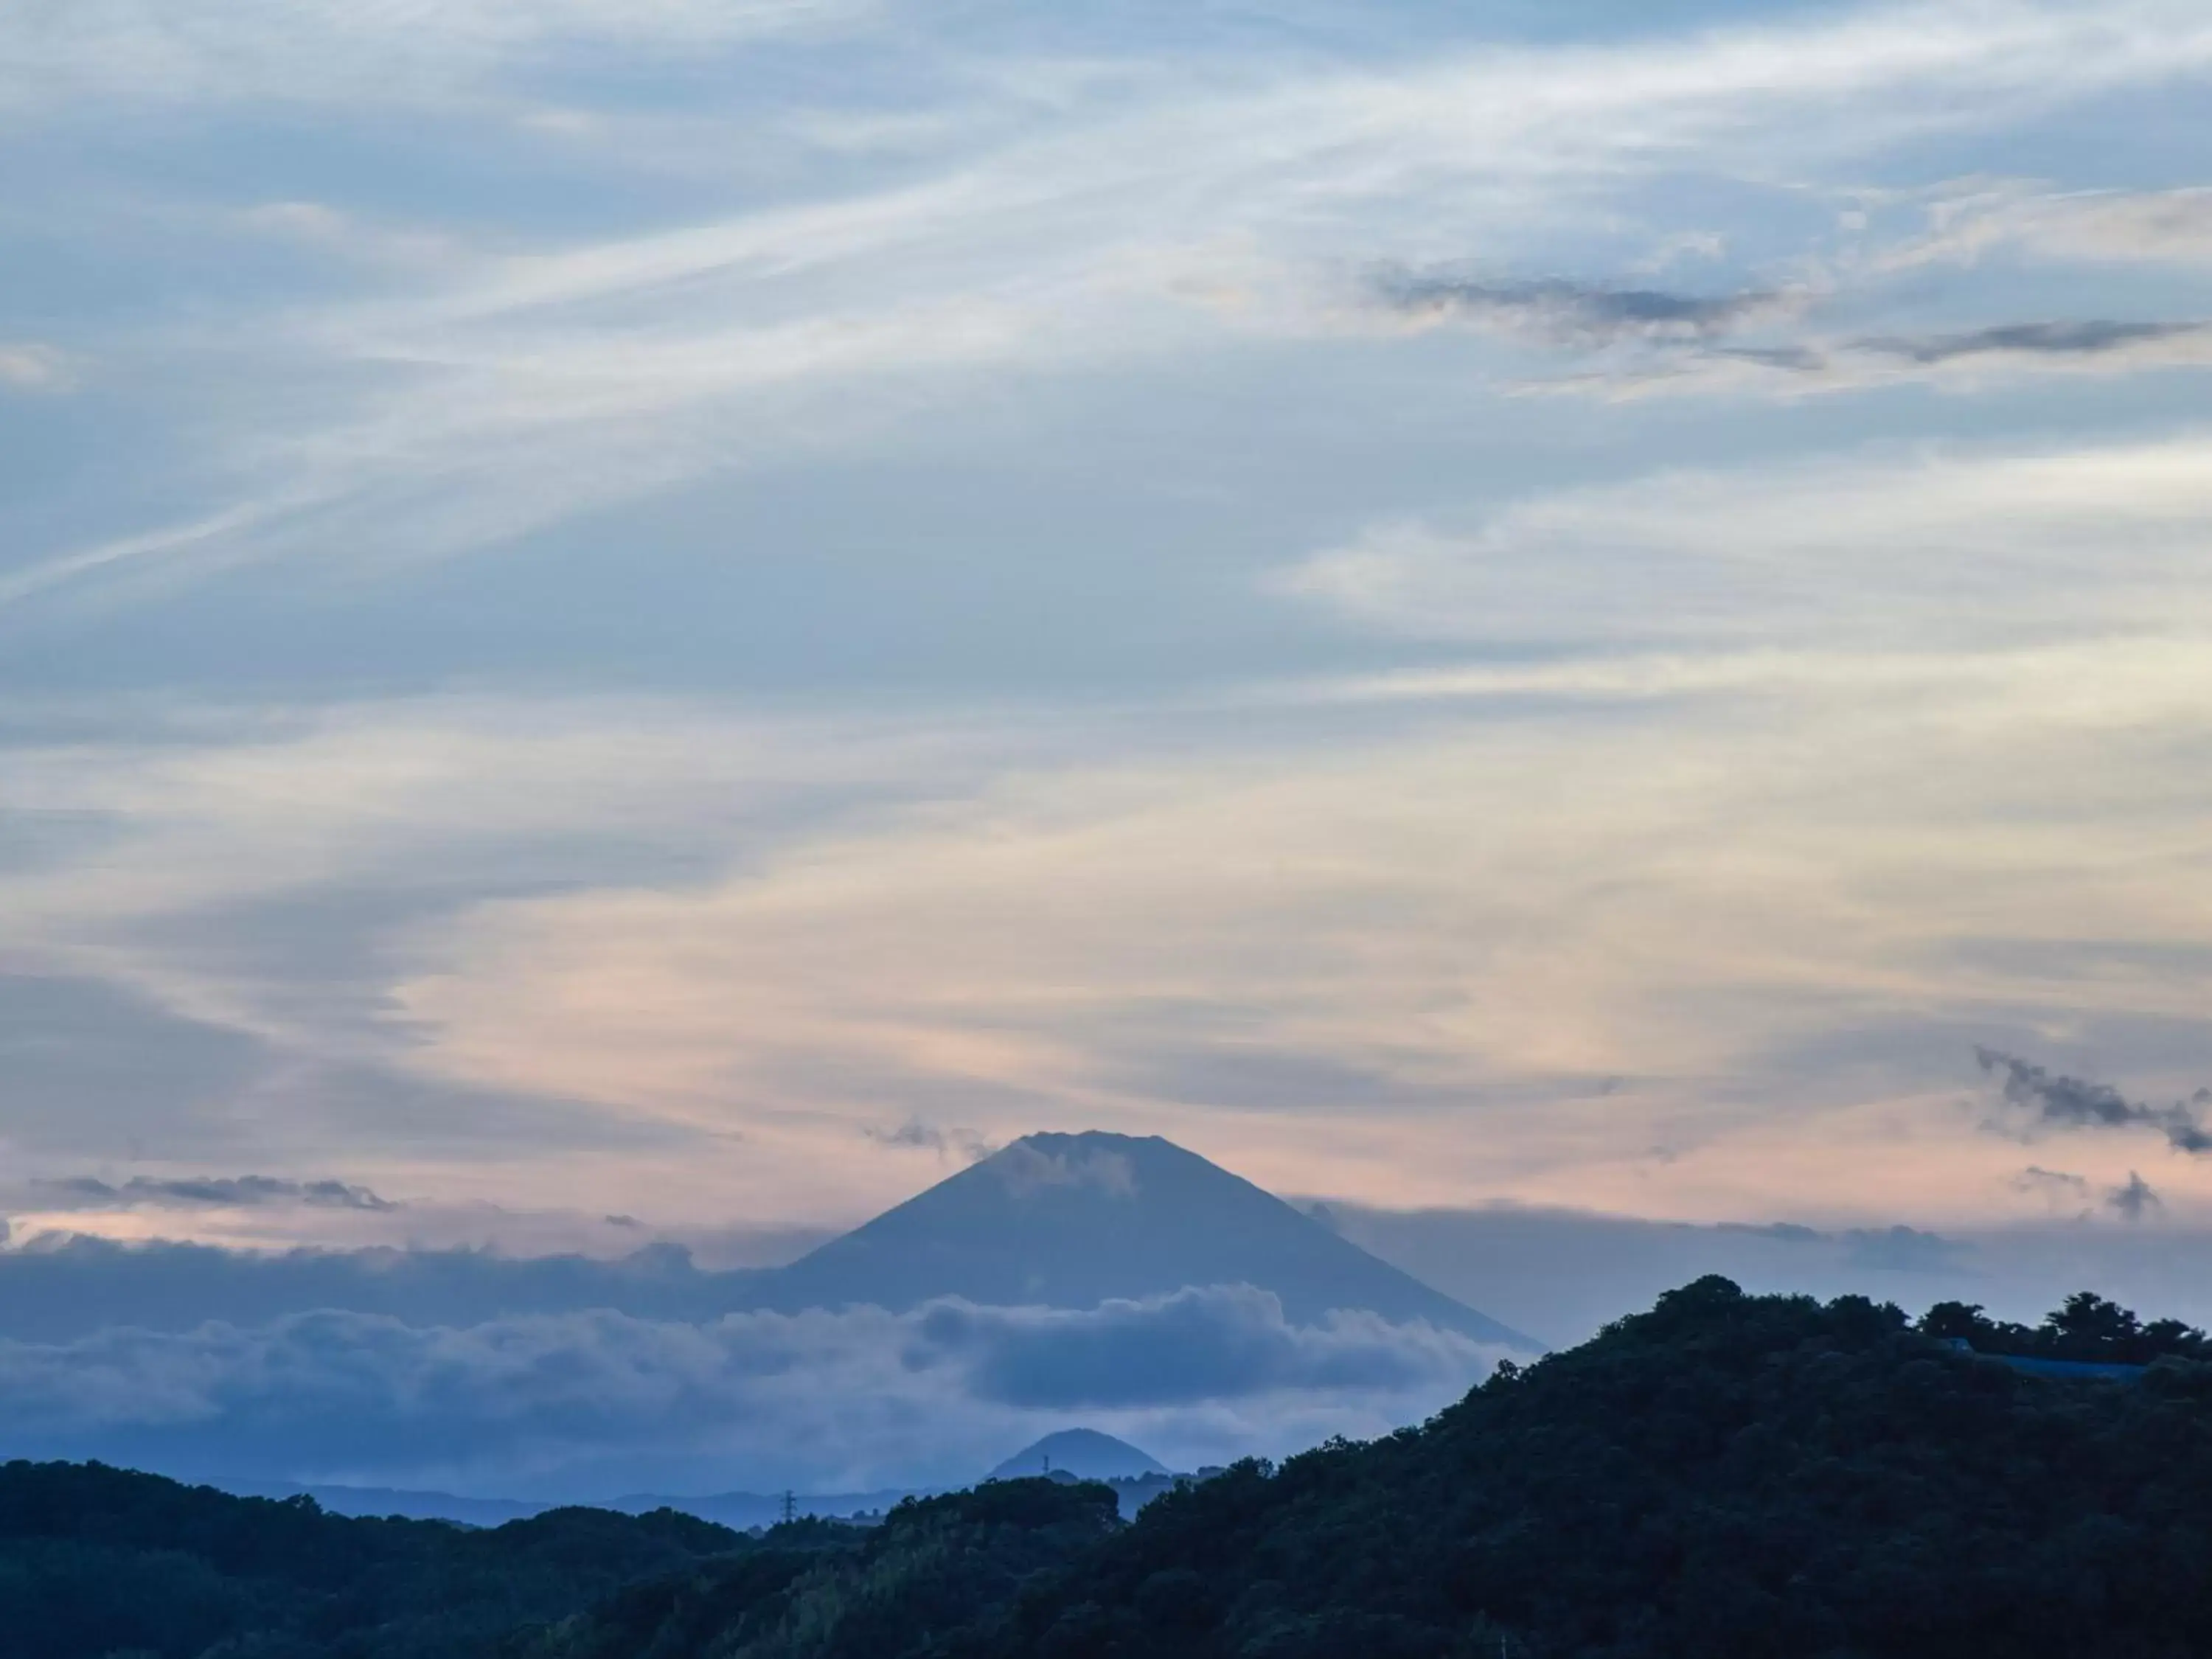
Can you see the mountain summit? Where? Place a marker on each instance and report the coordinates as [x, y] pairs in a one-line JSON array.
[[1073, 1220], [1084, 1453]]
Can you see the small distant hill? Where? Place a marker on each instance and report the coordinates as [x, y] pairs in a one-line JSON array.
[[377, 1501], [1085, 1454], [1073, 1220], [738, 1511]]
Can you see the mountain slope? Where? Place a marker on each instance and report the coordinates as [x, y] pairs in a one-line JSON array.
[[1071, 1221]]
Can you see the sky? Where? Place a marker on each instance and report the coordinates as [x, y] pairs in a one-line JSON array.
[[666, 617]]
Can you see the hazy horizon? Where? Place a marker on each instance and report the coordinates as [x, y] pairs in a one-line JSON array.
[[495, 1373]]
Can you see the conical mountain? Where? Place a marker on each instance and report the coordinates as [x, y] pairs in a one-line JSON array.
[[1071, 1221], [1084, 1453]]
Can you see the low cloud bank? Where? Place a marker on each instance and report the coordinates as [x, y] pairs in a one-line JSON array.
[[1196, 1345], [601, 1401]]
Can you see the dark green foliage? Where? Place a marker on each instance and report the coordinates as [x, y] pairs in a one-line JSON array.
[[1724, 1477], [2087, 1328], [937, 1570], [96, 1561]]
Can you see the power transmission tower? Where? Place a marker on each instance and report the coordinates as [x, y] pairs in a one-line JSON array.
[[790, 1507]]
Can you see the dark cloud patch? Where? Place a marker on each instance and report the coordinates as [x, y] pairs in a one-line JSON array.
[[2039, 1101], [2135, 1199], [2051, 340], [228, 1192], [1568, 312]]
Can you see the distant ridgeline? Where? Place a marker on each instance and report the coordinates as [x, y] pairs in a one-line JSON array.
[[1752, 1477]]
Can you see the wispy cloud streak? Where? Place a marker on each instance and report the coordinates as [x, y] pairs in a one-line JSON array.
[[537, 388], [212, 1191]]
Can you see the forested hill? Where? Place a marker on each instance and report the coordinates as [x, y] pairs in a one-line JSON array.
[[97, 1561], [1725, 1477]]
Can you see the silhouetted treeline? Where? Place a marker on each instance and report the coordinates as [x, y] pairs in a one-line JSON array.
[[97, 1561], [940, 1573], [1724, 1477], [2087, 1328]]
